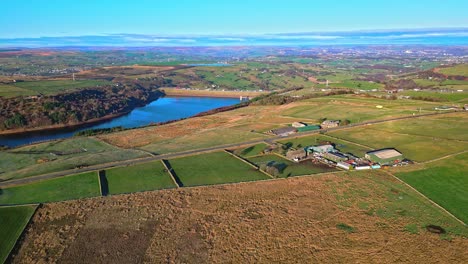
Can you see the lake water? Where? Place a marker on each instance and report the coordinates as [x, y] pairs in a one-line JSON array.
[[161, 110]]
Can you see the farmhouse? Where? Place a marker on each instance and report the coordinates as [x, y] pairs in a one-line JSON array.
[[321, 148], [296, 155], [285, 131], [384, 156], [330, 123]]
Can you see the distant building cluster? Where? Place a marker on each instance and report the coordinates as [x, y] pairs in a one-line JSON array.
[[303, 127], [328, 154]]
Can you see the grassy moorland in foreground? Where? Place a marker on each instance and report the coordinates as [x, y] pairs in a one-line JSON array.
[[351, 217]]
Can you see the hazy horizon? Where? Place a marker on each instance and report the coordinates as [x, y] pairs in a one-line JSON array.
[[440, 36]]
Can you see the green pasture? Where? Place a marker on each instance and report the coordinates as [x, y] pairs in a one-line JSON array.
[[213, 168]]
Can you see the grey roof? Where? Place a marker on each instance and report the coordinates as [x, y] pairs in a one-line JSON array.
[[283, 130], [385, 153]]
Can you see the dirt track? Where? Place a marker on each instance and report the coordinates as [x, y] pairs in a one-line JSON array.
[[287, 221]]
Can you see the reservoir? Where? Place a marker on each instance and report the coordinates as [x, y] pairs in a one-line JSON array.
[[160, 110]]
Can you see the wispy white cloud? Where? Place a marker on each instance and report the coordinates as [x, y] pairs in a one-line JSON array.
[[299, 37], [230, 39], [419, 35]]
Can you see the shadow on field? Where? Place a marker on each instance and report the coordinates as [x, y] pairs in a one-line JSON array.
[[172, 172], [103, 183]]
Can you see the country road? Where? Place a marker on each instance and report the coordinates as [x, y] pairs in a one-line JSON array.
[[103, 166]]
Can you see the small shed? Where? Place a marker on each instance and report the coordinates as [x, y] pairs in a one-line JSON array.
[[344, 165]]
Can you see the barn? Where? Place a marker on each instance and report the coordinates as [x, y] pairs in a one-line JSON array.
[[384, 156]]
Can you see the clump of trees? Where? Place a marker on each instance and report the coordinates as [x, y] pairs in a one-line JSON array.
[[98, 131], [273, 168], [17, 120], [401, 84], [427, 98]]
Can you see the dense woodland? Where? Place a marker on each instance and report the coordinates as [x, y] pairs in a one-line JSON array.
[[74, 107]]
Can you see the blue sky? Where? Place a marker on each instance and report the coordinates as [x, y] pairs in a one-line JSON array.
[[36, 18]]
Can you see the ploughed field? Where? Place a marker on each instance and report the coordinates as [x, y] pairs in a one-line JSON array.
[[351, 217]]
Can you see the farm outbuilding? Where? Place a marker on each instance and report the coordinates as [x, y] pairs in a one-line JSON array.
[[330, 123], [298, 124], [308, 128], [321, 148], [285, 131], [335, 156], [384, 156], [344, 165]]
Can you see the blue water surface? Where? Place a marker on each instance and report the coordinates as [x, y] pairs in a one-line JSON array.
[[161, 110]]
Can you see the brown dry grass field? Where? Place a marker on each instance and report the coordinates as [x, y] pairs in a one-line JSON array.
[[248, 123], [130, 72], [209, 93], [239, 125], [359, 218]]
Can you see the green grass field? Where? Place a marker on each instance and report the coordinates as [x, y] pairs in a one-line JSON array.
[[7, 90], [214, 168], [61, 155], [136, 178], [53, 87], [356, 109], [415, 147], [461, 69], [359, 85], [202, 139], [377, 194], [13, 220], [251, 150], [65, 188], [445, 182], [292, 168], [447, 126], [445, 97]]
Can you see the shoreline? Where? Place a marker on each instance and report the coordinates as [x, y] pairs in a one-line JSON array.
[[169, 92], [20, 131]]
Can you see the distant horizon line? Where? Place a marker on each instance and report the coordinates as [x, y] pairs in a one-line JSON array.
[[438, 36], [419, 29]]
